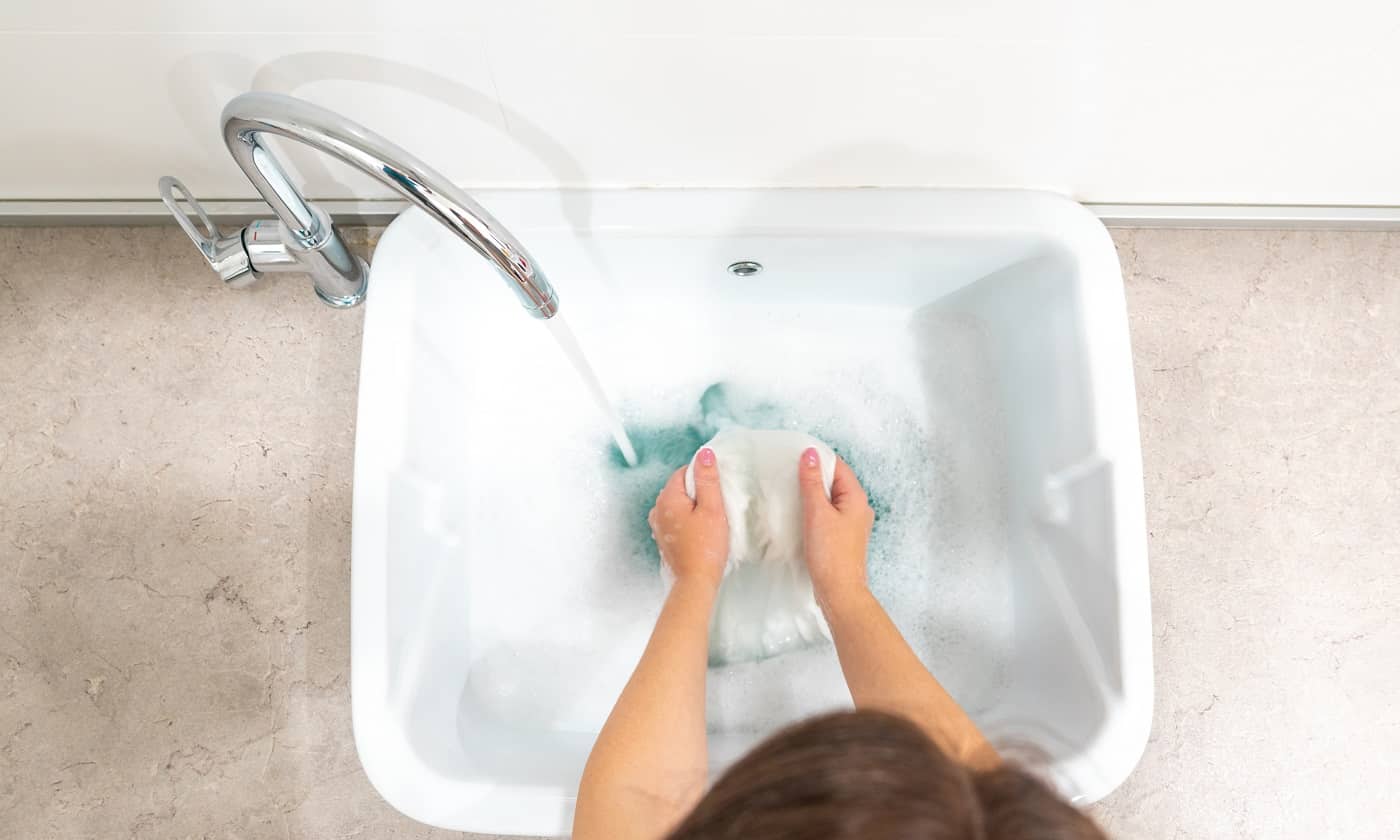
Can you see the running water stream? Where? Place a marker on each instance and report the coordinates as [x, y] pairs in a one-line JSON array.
[[559, 328]]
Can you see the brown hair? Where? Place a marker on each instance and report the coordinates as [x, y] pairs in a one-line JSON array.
[[874, 776]]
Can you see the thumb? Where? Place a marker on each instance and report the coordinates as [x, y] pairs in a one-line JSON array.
[[707, 493], [809, 480]]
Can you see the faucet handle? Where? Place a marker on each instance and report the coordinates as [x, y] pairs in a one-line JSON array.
[[224, 253]]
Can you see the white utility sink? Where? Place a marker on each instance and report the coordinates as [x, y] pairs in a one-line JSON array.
[[966, 351]]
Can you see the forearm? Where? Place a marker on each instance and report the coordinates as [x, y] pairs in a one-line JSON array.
[[883, 673], [649, 765]]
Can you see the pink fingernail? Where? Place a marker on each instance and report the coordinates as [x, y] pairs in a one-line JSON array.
[[809, 456], [707, 456]]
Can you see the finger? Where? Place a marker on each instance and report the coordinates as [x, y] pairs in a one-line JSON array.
[[845, 487], [707, 492], [809, 481]]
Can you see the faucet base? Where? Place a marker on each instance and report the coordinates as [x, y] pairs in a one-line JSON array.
[[351, 300]]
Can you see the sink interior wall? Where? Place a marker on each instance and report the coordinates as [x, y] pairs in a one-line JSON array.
[[504, 660], [1059, 496]]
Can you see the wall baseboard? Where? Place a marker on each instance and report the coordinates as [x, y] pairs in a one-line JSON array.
[[152, 211], [1248, 216], [381, 211]]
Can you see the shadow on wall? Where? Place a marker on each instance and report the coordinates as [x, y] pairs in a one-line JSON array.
[[194, 83], [200, 84]]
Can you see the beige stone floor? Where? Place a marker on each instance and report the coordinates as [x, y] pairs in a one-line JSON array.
[[175, 464]]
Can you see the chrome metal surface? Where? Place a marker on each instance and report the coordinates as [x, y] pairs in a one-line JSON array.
[[224, 253], [745, 268], [338, 275], [305, 238], [266, 247]]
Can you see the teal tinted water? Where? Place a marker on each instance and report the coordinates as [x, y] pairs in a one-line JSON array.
[[661, 450], [893, 466]]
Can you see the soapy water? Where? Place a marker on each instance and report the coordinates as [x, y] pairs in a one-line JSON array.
[[938, 557], [891, 463], [949, 595]]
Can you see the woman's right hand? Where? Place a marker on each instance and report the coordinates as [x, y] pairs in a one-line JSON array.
[[881, 670], [836, 531]]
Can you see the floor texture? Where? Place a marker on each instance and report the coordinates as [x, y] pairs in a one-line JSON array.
[[175, 466]]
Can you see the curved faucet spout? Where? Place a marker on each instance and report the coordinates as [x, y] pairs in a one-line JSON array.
[[318, 249]]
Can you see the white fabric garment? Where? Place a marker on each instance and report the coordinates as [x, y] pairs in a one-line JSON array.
[[766, 605]]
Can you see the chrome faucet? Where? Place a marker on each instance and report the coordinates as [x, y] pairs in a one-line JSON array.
[[303, 238]]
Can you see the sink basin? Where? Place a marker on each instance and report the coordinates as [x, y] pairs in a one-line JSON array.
[[966, 351]]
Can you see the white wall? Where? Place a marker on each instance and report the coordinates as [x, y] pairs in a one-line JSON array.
[[1191, 101]]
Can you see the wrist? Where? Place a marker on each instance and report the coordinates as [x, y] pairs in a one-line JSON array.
[[837, 602], [695, 587]]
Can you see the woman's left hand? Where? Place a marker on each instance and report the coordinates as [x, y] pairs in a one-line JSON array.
[[693, 535]]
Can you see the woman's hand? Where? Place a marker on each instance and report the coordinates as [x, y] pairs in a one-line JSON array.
[[881, 670], [836, 531], [649, 765], [693, 535]]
